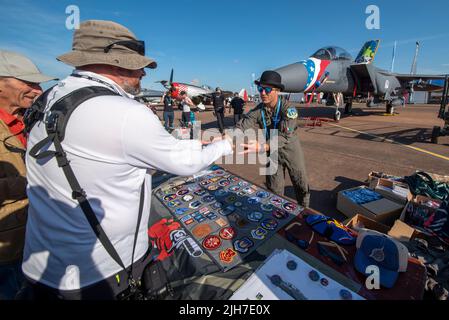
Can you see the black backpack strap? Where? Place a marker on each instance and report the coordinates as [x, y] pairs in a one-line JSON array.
[[56, 124], [36, 113]]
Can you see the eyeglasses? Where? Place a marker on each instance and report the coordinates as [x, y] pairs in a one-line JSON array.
[[266, 89], [134, 45]]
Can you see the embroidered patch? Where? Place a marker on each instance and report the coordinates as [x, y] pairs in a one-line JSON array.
[[227, 255], [227, 233], [211, 242], [243, 245], [292, 113], [202, 230]]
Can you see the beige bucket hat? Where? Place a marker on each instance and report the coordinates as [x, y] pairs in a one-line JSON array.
[[16, 65], [106, 42]]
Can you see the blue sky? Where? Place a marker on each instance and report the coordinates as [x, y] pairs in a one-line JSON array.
[[221, 43]]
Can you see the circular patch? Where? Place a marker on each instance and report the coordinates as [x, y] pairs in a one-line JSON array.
[[227, 233], [242, 194], [345, 294], [267, 207], [231, 199], [170, 197], [212, 187], [187, 198], [205, 182], [269, 224], [224, 183], [324, 282], [255, 216], [234, 188], [200, 193], [208, 199], [292, 265], [280, 214], [195, 204], [219, 172], [314, 276], [253, 200], [249, 190], [262, 194], [289, 206], [243, 184], [243, 245], [182, 192], [238, 204], [277, 201], [227, 255], [202, 230], [181, 211], [211, 242], [233, 178]]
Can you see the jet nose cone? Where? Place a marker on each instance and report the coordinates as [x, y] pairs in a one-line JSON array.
[[294, 77]]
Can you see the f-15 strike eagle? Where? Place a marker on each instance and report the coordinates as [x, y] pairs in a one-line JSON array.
[[333, 70]]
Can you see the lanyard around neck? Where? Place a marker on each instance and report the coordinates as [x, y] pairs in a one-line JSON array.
[[110, 86], [275, 120]]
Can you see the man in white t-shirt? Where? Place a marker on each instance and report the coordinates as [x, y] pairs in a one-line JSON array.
[[112, 142], [187, 104]]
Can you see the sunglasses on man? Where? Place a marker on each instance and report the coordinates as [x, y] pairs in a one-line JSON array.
[[134, 45], [266, 89]]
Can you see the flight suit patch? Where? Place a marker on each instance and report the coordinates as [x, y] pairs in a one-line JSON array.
[[292, 113]]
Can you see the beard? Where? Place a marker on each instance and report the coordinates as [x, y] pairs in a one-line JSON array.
[[132, 89]]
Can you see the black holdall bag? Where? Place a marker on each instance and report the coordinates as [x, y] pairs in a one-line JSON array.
[[56, 122]]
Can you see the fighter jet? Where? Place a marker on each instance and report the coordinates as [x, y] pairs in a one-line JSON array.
[[332, 70], [198, 94]]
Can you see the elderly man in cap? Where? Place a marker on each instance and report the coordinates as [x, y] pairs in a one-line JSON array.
[[111, 144], [19, 86], [275, 117]]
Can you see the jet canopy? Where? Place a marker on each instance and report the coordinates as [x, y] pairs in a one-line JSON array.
[[332, 53]]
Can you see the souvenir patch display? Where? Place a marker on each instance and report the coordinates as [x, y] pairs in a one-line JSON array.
[[226, 215]]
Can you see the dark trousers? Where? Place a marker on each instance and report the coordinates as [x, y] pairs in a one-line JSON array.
[[186, 118], [291, 159], [107, 289], [11, 280], [220, 120], [237, 117], [169, 117]]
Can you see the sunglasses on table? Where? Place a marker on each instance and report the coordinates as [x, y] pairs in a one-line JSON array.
[[134, 45], [266, 89]]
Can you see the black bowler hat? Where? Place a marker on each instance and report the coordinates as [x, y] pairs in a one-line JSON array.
[[271, 78]]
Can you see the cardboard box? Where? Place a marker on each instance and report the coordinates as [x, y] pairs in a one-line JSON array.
[[374, 176], [384, 211], [393, 190], [402, 231], [359, 221]]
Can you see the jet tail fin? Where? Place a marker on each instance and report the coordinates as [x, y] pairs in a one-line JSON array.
[[368, 52]]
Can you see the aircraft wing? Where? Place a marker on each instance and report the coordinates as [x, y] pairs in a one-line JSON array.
[[412, 77], [420, 82]]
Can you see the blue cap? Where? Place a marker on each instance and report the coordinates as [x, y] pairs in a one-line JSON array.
[[382, 252]]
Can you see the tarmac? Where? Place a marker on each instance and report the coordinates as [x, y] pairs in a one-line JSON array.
[[340, 155]]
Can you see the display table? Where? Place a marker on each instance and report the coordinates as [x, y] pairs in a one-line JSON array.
[[409, 286]]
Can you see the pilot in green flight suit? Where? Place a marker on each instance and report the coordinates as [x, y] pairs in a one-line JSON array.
[[273, 114]]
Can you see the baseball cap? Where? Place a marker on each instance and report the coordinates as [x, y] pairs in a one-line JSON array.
[[389, 255], [17, 66]]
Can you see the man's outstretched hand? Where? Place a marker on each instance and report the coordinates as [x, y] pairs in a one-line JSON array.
[[253, 146]]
